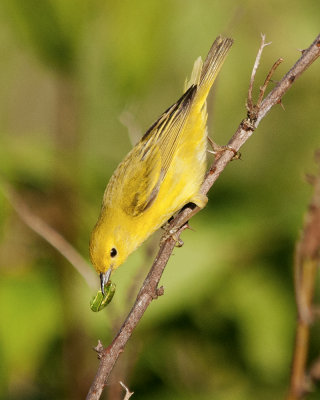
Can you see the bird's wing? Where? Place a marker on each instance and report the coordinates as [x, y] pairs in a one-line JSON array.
[[143, 170]]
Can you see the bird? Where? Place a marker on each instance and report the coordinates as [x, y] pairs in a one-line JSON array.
[[162, 173]]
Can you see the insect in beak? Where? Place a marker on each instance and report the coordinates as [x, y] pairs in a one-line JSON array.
[[104, 278]]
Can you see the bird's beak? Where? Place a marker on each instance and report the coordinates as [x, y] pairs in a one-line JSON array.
[[104, 278]]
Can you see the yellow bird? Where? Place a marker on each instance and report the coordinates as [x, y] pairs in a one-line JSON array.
[[161, 174]]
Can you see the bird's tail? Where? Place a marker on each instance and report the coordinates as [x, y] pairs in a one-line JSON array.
[[204, 74]]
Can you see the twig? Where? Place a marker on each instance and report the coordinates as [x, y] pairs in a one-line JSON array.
[[307, 58], [267, 80], [254, 70], [307, 261], [51, 236], [128, 393], [149, 289]]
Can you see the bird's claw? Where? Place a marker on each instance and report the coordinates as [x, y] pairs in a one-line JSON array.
[[172, 233], [217, 150]]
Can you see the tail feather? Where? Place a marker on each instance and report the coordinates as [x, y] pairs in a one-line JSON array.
[[195, 74], [212, 65]]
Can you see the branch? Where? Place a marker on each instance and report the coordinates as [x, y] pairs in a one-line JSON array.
[[128, 393], [150, 290], [50, 235], [254, 71], [307, 259]]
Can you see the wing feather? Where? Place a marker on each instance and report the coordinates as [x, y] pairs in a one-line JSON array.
[[136, 182]]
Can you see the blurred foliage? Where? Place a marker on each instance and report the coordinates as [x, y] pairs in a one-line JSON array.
[[225, 327]]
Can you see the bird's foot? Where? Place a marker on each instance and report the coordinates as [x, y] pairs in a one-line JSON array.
[[218, 150]]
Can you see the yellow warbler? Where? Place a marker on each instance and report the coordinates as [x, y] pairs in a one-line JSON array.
[[161, 174]]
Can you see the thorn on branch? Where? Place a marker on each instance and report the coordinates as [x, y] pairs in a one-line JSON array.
[[281, 104], [302, 51], [153, 292], [99, 349], [157, 293], [160, 291]]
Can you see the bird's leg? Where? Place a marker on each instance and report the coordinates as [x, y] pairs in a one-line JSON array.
[[199, 200], [165, 226], [171, 233], [217, 150]]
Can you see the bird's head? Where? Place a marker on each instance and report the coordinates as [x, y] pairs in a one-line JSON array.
[[108, 249]]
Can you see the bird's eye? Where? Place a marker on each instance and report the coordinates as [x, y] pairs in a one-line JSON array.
[[113, 252]]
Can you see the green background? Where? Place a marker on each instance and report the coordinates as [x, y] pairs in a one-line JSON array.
[[69, 72]]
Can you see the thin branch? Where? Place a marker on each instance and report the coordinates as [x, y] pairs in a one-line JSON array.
[[267, 80], [128, 393], [308, 57], [254, 70], [307, 260], [51, 236], [149, 290]]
